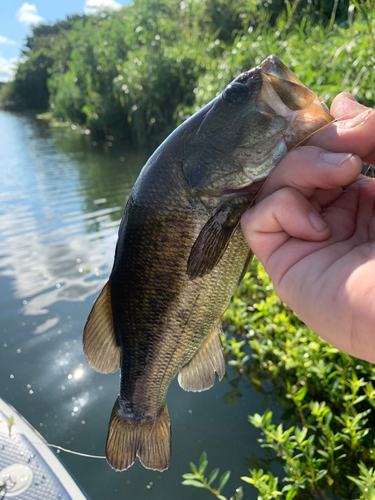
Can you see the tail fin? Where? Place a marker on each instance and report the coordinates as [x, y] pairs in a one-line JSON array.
[[150, 441]]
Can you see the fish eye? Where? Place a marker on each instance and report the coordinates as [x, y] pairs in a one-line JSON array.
[[235, 93]]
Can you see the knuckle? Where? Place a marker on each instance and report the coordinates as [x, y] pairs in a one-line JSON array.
[[286, 195]]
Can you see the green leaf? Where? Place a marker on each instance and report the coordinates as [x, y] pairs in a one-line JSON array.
[[213, 476], [360, 399], [202, 467], [193, 468], [300, 434], [223, 480], [192, 482], [203, 462], [189, 476], [238, 495], [248, 479], [300, 394], [256, 420], [10, 423], [291, 494], [321, 474], [358, 482], [203, 458]]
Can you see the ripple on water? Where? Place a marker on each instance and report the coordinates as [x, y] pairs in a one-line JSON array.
[[57, 205]]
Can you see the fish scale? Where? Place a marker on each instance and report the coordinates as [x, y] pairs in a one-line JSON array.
[[182, 319]]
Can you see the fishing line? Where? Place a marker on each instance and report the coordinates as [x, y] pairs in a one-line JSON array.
[[74, 452], [69, 451]]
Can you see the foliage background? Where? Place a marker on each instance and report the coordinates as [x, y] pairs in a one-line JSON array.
[[136, 73]]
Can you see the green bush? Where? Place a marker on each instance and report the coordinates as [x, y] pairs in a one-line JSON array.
[[327, 61], [326, 437], [138, 72], [68, 100]]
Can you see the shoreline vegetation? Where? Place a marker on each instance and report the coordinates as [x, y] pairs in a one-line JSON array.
[[131, 77], [325, 441]]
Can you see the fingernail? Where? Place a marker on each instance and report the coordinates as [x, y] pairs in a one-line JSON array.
[[356, 121], [317, 222], [336, 158]]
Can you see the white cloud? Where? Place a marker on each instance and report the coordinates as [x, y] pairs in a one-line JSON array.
[[28, 14], [7, 68], [95, 6], [4, 39]]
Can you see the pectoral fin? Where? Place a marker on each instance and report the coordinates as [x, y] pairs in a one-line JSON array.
[[214, 238], [199, 374], [99, 339]]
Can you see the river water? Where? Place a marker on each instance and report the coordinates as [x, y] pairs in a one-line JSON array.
[[61, 201]]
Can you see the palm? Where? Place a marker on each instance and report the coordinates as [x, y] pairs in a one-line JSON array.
[[331, 284]]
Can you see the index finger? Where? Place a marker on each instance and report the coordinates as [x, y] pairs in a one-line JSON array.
[[345, 107], [308, 168]]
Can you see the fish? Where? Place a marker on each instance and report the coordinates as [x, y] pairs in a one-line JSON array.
[[181, 254]]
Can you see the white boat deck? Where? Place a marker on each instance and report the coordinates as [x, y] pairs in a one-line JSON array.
[[40, 475]]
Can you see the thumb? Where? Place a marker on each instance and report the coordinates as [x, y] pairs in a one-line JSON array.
[[345, 106]]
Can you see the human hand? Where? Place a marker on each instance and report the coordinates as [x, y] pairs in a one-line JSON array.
[[313, 229]]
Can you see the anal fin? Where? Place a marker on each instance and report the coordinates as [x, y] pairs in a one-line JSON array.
[[149, 440], [199, 374], [99, 339]]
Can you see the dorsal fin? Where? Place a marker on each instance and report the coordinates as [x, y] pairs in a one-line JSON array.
[[199, 374], [99, 339]]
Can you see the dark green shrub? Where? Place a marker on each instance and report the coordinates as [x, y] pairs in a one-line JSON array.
[[326, 437]]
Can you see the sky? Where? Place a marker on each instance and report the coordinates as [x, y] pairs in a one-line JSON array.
[[17, 18]]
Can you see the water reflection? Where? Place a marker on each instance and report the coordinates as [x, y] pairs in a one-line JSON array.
[[59, 213]]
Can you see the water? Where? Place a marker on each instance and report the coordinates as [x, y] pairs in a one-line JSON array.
[[61, 201]]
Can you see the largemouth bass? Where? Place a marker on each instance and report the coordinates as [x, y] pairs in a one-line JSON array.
[[181, 254]]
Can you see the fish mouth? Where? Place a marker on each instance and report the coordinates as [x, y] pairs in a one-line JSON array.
[[284, 93], [278, 92]]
